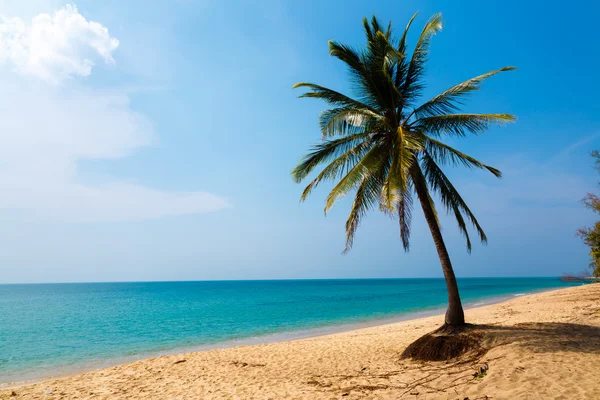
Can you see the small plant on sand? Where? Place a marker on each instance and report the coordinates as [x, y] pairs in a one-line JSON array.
[[481, 372], [387, 148]]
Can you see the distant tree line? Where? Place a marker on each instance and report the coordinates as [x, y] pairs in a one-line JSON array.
[[591, 236]]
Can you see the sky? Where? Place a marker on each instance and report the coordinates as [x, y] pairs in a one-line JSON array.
[[155, 140]]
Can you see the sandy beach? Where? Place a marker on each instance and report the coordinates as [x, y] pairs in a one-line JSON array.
[[540, 346]]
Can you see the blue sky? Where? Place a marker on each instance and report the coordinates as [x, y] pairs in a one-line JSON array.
[[155, 142]]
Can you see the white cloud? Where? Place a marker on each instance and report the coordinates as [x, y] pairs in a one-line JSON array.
[[46, 130], [55, 47]]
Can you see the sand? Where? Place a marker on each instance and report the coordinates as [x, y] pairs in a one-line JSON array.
[[541, 346]]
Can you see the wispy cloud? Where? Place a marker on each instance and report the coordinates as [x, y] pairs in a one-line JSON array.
[[526, 185], [577, 144]]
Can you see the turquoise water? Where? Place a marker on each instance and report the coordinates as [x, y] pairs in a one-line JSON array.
[[48, 329]]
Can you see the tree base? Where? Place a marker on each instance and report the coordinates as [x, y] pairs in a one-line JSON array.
[[446, 343]]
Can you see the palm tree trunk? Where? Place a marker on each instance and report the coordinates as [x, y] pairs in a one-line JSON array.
[[454, 315]]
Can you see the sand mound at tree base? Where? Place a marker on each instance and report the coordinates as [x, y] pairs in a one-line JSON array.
[[447, 343]]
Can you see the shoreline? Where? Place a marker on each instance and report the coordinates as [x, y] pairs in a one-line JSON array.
[[272, 338], [542, 345]]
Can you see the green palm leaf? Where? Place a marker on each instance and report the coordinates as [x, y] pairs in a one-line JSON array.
[[346, 54], [405, 147], [445, 154], [405, 208], [347, 120], [338, 167], [460, 124], [330, 96], [367, 195], [450, 196], [402, 66], [323, 152], [420, 182], [412, 82], [372, 161], [449, 101]]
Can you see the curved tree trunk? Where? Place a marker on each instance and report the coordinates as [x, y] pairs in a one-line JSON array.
[[454, 315]]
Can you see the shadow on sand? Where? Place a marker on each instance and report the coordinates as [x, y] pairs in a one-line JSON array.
[[548, 337]]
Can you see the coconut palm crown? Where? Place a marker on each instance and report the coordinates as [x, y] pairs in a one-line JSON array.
[[387, 148]]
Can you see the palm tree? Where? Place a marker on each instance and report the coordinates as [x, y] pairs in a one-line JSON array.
[[384, 146]]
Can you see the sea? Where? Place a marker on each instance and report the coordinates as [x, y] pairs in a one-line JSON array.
[[55, 329]]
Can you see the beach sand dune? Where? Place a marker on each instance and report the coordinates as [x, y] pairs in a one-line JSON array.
[[541, 346]]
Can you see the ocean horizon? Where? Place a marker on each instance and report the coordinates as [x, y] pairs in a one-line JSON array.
[[50, 329]]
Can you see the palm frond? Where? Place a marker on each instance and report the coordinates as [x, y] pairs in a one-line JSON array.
[[413, 86], [340, 166], [367, 28], [449, 195], [346, 54], [324, 152], [402, 66], [462, 226], [331, 96], [373, 160], [403, 156], [460, 124], [376, 80], [367, 195], [449, 101], [405, 207], [444, 154], [343, 121], [372, 28], [372, 68], [376, 25], [388, 31], [420, 183]]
